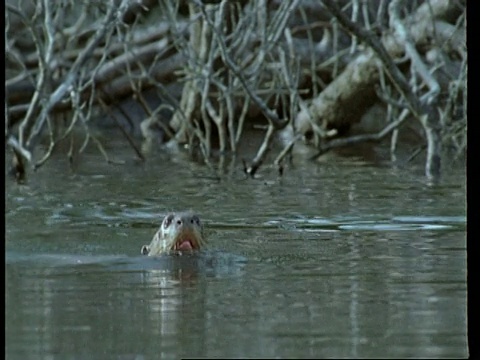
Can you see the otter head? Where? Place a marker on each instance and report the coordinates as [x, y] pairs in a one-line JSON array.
[[178, 232]]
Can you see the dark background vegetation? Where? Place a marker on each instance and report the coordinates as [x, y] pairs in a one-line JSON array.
[[196, 73]]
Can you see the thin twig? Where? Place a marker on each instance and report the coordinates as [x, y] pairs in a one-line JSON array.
[[114, 14], [124, 132], [348, 141], [262, 152]]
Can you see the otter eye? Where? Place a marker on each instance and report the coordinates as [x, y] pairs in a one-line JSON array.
[[179, 222], [167, 221], [195, 220]]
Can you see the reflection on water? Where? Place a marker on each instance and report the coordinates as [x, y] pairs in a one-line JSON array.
[[337, 261]]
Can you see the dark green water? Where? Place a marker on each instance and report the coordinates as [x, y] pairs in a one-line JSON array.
[[334, 260]]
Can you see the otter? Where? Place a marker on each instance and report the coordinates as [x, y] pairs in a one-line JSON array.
[[178, 232]]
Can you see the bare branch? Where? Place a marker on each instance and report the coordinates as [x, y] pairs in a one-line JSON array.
[[399, 80], [336, 143], [262, 152], [269, 114], [404, 36], [113, 15]]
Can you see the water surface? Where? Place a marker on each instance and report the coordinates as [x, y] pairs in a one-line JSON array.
[[344, 259]]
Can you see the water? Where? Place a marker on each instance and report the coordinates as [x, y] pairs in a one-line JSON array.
[[342, 259]]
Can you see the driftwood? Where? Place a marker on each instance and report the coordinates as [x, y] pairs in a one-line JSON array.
[[345, 99], [312, 67]]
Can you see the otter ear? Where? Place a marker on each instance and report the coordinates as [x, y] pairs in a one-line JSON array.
[[145, 250]]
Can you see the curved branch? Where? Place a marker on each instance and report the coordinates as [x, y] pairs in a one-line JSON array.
[[114, 15]]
